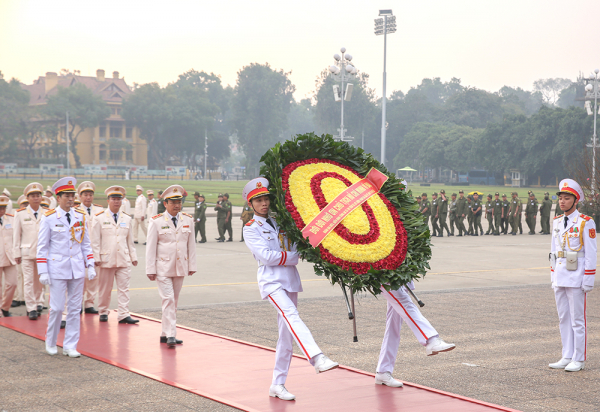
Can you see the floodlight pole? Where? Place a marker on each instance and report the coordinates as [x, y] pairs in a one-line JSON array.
[[595, 92], [205, 150], [67, 137], [383, 99]]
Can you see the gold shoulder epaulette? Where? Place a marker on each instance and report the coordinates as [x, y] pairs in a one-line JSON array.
[[21, 209], [157, 216], [8, 214], [80, 211], [46, 207], [49, 212], [99, 213], [585, 217], [250, 222], [97, 205], [559, 216], [187, 214], [126, 214]]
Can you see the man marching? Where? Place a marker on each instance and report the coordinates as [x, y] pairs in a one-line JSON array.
[[279, 282], [114, 253], [63, 253], [573, 269], [139, 214], [8, 266], [170, 256]]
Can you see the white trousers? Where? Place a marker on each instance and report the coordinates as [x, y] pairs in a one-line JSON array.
[[291, 328], [20, 285], [571, 305], [401, 308], [74, 291], [137, 222], [168, 289], [106, 278], [33, 289], [10, 285], [90, 291]]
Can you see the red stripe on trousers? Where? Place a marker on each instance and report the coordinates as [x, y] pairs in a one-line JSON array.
[[290, 325], [412, 320]]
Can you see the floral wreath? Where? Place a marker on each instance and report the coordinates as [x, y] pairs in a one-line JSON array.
[[383, 241]]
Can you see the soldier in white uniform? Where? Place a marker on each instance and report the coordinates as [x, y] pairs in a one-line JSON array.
[[279, 282], [86, 191], [50, 197], [139, 214], [573, 271], [170, 256], [8, 266], [126, 206], [152, 208], [114, 253], [25, 240], [63, 253], [9, 207], [19, 299]]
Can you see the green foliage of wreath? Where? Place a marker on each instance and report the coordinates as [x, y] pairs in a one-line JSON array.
[[309, 146]]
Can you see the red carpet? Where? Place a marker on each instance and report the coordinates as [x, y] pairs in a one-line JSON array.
[[238, 373]]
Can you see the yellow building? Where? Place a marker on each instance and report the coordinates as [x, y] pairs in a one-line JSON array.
[[111, 145]]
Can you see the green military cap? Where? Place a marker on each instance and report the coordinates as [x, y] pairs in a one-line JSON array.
[[514, 193], [226, 194], [442, 192], [453, 194], [461, 191], [220, 195], [434, 194], [423, 194], [160, 192], [490, 196], [503, 194], [196, 193], [546, 193], [497, 194]]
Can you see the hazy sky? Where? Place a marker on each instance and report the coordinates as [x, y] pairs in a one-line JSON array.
[[485, 43]]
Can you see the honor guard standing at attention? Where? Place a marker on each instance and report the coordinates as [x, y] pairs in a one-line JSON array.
[[170, 256], [545, 211], [247, 214], [114, 253], [497, 213], [228, 219], [200, 217], [453, 220], [443, 213], [434, 215], [86, 191], [573, 271], [425, 208], [531, 212], [25, 242], [139, 214], [63, 253], [489, 214], [220, 207], [462, 209], [9, 207], [279, 282], [152, 208], [8, 265]]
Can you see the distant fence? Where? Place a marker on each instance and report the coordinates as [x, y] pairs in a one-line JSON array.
[[31, 173]]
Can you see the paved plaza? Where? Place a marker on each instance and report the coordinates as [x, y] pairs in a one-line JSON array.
[[489, 294]]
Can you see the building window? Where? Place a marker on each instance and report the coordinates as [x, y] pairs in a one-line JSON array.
[[102, 152], [102, 131], [115, 132], [129, 133], [129, 155], [116, 154]]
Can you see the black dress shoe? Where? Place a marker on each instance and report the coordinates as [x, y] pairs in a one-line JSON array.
[[242, 240], [6, 313], [217, 238], [15, 303], [202, 241], [40, 308], [129, 320], [135, 241], [91, 311], [163, 339], [230, 240], [221, 241], [63, 324], [171, 342], [144, 243], [33, 315], [103, 318]]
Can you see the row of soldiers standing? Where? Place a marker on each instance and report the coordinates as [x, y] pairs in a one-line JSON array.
[[499, 212]]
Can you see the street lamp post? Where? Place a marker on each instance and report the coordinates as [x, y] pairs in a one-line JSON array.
[[384, 25], [67, 137], [592, 92], [343, 74]]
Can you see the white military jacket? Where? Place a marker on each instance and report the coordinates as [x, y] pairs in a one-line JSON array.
[[112, 242], [152, 209], [126, 206], [276, 261], [170, 251], [6, 241], [578, 236], [140, 207], [25, 237], [64, 250]]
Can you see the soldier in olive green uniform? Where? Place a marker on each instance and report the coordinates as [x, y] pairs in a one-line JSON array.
[[434, 215], [489, 215], [477, 208], [160, 206], [425, 208], [470, 214], [545, 211], [443, 212], [200, 217], [229, 207], [247, 214], [453, 216], [505, 214], [497, 214], [515, 213], [531, 210], [221, 208], [462, 209]]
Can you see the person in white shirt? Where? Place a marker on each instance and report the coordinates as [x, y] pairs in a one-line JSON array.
[[125, 206], [9, 207], [152, 208], [52, 204], [139, 214]]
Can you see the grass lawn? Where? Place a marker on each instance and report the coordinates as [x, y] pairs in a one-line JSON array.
[[210, 189]]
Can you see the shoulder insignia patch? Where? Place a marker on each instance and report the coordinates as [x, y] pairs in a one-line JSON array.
[[592, 233], [8, 214], [126, 214], [187, 214], [49, 212], [558, 217], [97, 205], [80, 211], [250, 222], [45, 207], [585, 217], [21, 209], [98, 214], [157, 216]]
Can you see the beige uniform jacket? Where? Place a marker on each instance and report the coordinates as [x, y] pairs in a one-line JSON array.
[[94, 209], [112, 242], [171, 251], [140, 207], [6, 241], [126, 206], [152, 209], [26, 230]]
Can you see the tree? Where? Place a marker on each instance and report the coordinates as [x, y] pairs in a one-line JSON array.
[[259, 109], [473, 107], [528, 102], [436, 91], [551, 88], [13, 103], [301, 118], [86, 110]]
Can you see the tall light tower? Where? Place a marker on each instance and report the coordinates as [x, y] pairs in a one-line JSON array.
[[343, 72], [384, 25], [592, 93]]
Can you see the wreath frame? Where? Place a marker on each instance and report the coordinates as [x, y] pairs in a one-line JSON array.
[[309, 146]]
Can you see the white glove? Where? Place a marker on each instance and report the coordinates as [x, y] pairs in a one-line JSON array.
[[586, 289], [44, 279], [91, 273]]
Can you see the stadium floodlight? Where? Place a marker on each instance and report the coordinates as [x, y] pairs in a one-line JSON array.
[[384, 26], [592, 93]]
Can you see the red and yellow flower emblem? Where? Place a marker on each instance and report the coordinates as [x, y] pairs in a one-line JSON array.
[[371, 236]]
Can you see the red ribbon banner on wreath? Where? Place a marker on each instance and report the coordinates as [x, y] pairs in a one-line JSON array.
[[346, 202]]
